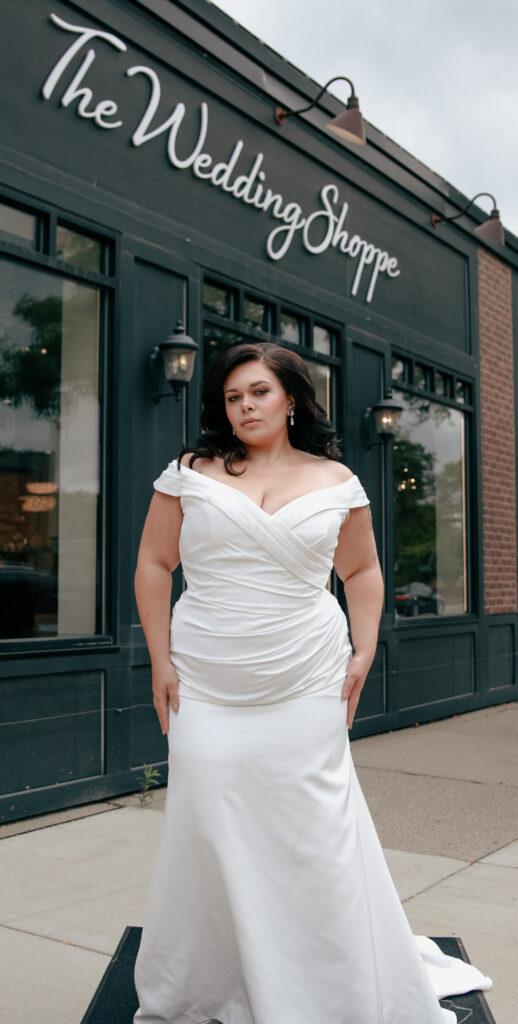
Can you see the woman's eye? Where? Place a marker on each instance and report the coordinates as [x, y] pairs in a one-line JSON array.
[[262, 391], [231, 398]]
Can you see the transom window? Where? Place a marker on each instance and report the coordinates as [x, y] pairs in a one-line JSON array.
[[417, 376], [18, 226], [234, 315], [79, 249]]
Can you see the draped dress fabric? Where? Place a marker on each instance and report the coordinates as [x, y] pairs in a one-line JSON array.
[[271, 901]]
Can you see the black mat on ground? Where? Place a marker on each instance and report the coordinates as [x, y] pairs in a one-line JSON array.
[[115, 1001]]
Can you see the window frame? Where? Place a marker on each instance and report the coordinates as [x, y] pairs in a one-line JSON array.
[[45, 259]]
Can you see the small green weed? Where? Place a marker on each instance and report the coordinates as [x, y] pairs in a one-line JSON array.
[[150, 777]]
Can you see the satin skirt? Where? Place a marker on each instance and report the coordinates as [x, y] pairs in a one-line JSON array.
[[271, 901]]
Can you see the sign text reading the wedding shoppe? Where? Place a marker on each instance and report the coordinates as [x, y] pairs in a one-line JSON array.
[[318, 230]]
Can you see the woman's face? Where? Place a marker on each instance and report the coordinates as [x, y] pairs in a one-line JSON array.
[[256, 403]]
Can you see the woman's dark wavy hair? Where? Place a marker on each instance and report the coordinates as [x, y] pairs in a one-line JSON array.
[[312, 432]]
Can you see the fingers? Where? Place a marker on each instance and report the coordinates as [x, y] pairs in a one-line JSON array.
[[351, 692], [351, 709], [165, 694], [352, 680], [172, 690], [162, 709]]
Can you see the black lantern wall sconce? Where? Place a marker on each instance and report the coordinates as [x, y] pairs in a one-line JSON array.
[[172, 360], [381, 421], [348, 125], [491, 229]]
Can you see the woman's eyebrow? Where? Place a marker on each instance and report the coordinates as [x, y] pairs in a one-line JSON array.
[[251, 385]]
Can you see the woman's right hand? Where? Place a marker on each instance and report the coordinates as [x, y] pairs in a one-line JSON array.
[[165, 693]]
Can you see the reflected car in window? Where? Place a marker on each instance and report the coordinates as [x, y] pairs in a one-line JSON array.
[[418, 599], [23, 587]]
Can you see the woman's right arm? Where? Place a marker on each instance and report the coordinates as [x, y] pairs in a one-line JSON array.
[[158, 556]]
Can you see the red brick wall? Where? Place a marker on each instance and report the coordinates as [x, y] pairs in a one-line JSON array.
[[497, 431]]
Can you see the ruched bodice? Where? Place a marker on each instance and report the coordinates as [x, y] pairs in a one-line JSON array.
[[299, 537], [257, 591]]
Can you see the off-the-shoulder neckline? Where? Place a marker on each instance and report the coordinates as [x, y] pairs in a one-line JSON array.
[[270, 515]]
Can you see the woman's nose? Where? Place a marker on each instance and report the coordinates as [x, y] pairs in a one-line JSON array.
[[247, 402]]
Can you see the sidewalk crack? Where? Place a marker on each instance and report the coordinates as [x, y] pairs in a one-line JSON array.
[[62, 942]]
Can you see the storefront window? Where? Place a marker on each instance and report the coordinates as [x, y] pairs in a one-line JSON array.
[[79, 249], [49, 454], [322, 340], [401, 370], [256, 314], [422, 377], [321, 376], [463, 393], [430, 509], [18, 226], [292, 328], [443, 385], [215, 341], [217, 300]]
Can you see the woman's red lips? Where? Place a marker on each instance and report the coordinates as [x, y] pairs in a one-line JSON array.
[[246, 422]]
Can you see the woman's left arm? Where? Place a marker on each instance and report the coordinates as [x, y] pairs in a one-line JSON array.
[[356, 562]]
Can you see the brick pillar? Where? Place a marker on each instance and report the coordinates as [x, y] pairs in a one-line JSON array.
[[497, 434]]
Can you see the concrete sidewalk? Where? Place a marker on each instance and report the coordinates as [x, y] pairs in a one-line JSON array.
[[444, 798]]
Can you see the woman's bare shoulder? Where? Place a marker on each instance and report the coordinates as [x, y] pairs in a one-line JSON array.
[[342, 473], [332, 472]]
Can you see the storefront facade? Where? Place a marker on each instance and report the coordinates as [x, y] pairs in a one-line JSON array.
[[144, 180]]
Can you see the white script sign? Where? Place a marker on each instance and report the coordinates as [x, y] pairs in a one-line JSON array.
[[319, 230]]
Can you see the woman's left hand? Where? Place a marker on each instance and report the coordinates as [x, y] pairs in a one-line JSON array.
[[357, 670]]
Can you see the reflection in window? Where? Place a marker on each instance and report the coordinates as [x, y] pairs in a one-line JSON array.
[[443, 384], [18, 226], [291, 328], [430, 509], [215, 341], [49, 469], [463, 393], [217, 299], [79, 249], [321, 376], [400, 369], [422, 377], [322, 340], [255, 314]]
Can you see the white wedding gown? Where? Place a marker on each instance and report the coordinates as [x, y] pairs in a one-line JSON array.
[[271, 901]]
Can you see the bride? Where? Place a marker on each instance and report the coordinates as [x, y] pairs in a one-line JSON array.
[[271, 901]]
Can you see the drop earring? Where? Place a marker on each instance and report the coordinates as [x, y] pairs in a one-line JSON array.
[[292, 418], [233, 431]]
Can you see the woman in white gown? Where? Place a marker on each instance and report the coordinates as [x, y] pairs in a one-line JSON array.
[[271, 901]]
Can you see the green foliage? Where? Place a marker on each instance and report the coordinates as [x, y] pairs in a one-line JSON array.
[[33, 373], [415, 521], [150, 777], [429, 512]]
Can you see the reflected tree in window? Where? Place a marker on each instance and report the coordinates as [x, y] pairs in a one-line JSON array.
[[49, 453], [415, 513], [216, 341], [429, 521], [32, 372]]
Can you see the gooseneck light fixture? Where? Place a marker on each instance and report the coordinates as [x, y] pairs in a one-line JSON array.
[[381, 420], [173, 360], [491, 229], [348, 125]]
